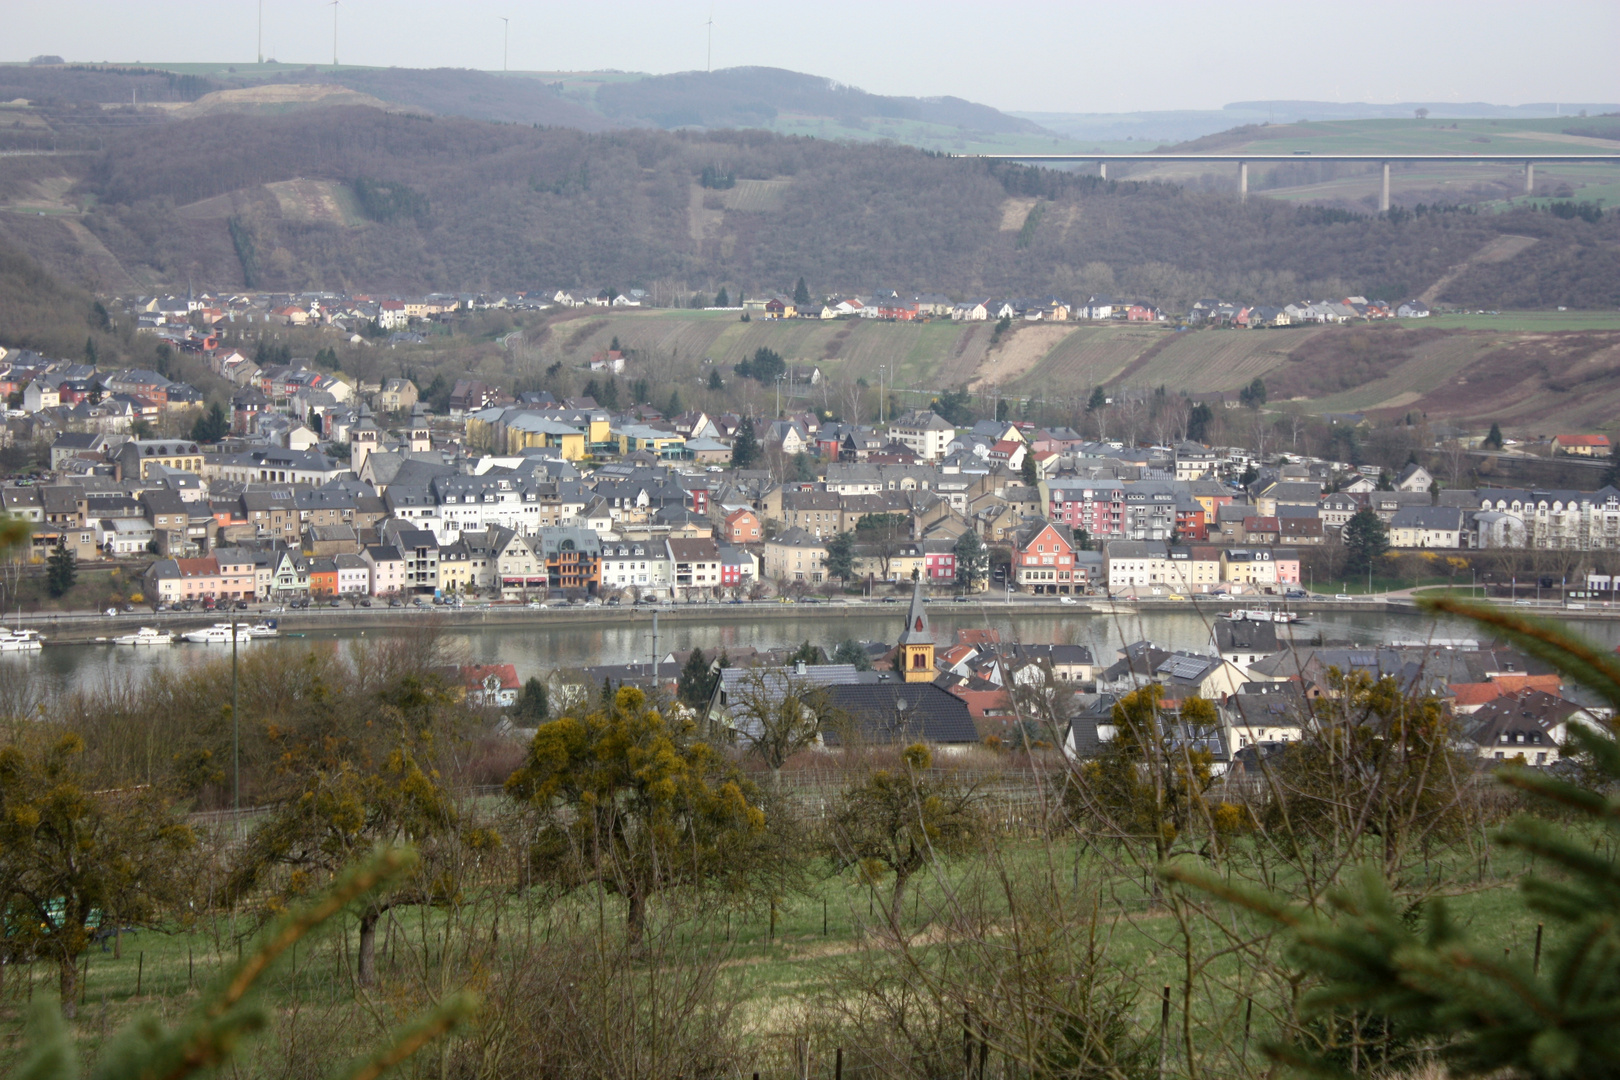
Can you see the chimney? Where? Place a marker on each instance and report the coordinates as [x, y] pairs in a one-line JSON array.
[[798, 667]]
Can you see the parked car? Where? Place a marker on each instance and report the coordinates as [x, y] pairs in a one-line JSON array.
[[1067, 600], [1296, 594], [1343, 596]]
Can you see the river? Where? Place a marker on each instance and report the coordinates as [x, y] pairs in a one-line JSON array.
[[538, 647]]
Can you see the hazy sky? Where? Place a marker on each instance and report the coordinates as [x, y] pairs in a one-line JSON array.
[[1068, 57]]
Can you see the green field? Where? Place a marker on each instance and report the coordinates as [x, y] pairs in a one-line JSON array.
[[769, 968], [1530, 321]]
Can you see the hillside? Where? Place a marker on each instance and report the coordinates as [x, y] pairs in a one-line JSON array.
[[259, 201], [1526, 379]]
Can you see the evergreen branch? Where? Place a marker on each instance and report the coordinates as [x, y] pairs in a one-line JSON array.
[[453, 1011]]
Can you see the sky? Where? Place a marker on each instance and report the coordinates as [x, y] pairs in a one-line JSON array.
[[1016, 55]]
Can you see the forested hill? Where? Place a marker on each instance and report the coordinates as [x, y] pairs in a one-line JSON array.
[[359, 198]]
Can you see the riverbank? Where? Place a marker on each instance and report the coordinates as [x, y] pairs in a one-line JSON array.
[[84, 629]]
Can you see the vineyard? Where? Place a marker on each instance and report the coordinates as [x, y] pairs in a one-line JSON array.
[[1507, 375]]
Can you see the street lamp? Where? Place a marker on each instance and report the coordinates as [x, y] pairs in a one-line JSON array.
[[883, 370]]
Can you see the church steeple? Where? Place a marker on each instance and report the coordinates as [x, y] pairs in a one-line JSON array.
[[917, 641]]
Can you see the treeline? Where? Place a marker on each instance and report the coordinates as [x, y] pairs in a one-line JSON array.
[[389, 201]]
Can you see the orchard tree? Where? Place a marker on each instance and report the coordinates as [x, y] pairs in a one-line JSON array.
[[352, 787], [624, 799], [1148, 784], [776, 713], [74, 858], [901, 821]]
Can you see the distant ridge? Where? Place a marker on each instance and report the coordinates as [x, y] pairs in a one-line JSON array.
[[757, 96], [1180, 125]]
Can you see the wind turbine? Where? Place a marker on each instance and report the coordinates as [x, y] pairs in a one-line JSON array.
[[709, 63], [261, 31], [506, 35], [334, 6]]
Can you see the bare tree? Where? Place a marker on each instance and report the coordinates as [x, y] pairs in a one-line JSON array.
[[776, 713]]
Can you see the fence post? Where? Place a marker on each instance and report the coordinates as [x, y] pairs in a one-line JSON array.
[[838, 1065], [1164, 1028], [1535, 967], [1248, 1015], [140, 965]]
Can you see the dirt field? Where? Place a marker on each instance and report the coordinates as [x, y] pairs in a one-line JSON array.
[[1021, 349]]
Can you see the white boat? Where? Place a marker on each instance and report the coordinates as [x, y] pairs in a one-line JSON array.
[[263, 628], [1263, 615], [19, 640], [146, 635], [220, 634]]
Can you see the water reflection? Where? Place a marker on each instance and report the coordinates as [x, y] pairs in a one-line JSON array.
[[540, 648]]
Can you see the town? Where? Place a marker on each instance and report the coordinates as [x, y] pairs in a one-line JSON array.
[[316, 488]]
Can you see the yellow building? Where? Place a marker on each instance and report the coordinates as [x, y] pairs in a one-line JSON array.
[[917, 642]]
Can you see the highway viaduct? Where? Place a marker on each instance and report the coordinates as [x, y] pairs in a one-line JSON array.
[[1529, 161]]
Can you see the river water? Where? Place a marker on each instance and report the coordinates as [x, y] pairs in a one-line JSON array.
[[539, 647]]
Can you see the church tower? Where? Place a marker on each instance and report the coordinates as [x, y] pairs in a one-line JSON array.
[[363, 439], [917, 642], [419, 436]]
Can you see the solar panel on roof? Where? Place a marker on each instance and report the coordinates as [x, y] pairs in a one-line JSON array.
[[1184, 667]]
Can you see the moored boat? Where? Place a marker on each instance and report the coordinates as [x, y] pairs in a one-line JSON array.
[[146, 635], [220, 634], [20, 640]]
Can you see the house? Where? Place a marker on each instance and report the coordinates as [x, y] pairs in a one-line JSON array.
[[1582, 445], [387, 569], [924, 433], [1416, 478], [1412, 309], [1242, 642], [571, 558], [137, 458], [694, 563], [741, 526], [795, 556], [490, 685], [1529, 727], [1043, 559], [1427, 527]]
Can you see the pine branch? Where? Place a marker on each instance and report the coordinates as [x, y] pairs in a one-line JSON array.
[[453, 1011]]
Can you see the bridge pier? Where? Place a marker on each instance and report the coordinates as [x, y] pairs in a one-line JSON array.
[[1383, 197], [1529, 178], [1102, 169], [1243, 181]]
